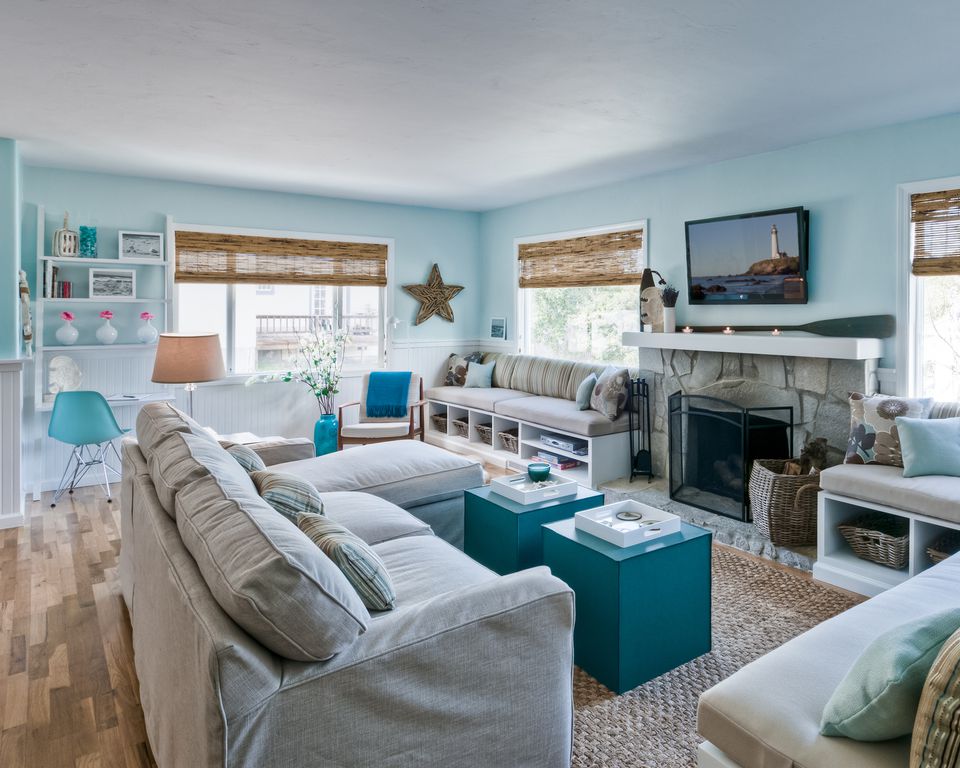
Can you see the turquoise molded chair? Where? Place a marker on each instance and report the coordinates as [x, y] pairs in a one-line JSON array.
[[85, 421]]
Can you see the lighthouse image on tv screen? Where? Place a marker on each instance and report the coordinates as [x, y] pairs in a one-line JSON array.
[[752, 258]]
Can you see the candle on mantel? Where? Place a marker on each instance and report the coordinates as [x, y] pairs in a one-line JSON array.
[[729, 331], [775, 332], [688, 329]]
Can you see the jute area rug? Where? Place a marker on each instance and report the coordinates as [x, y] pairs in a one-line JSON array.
[[756, 608]]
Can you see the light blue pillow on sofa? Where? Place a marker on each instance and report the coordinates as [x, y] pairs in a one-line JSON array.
[[480, 375], [585, 390], [929, 446], [879, 697]]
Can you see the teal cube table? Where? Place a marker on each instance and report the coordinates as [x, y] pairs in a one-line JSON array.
[[504, 535], [641, 610]]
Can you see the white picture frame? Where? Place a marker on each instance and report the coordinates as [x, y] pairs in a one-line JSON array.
[[112, 283], [498, 328], [140, 246]]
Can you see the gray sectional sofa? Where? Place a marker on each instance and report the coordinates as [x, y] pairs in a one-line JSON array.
[[251, 650]]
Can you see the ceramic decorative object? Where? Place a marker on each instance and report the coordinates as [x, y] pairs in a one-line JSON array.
[[325, 434], [88, 242], [26, 321], [106, 333], [538, 471], [669, 319], [67, 334], [65, 240], [63, 375], [147, 333]]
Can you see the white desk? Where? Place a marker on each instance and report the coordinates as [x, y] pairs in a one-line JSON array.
[[119, 402]]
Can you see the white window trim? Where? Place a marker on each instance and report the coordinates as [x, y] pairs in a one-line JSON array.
[[386, 294], [909, 289], [522, 300]]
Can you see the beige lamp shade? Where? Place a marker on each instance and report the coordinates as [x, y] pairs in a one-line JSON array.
[[188, 359]]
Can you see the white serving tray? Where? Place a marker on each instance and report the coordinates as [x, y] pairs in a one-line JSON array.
[[521, 489], [603, 523]]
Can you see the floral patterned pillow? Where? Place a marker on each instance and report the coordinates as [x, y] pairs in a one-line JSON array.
[[873, 427], [610, 392], [457, 368]]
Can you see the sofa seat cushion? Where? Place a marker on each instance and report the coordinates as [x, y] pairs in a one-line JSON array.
[[769, 712], [407, 472], [932, 495], [426, 566], [373, 519], [376, 430], [482, 398], [265, 573], [564, 415]]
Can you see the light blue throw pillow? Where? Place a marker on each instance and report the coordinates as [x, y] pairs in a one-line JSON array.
[[878, 698], [480, 375], [585, 390], [929, 446]]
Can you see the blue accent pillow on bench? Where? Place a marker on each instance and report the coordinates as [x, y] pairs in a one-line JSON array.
[[929, 446]]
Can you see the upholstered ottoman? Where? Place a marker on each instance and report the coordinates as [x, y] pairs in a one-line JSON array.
[[425, 480]]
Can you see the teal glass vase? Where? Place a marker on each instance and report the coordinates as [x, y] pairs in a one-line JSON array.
[[325, 434]]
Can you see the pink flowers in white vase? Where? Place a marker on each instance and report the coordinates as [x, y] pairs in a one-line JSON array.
[[106, 333]]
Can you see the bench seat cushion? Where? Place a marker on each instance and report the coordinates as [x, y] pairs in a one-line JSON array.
[[932, 495], [562, 414], [768, 713], [482, 398], [408, 473]]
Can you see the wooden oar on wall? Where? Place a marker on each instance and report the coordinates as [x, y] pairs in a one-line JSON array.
[[867, 326]]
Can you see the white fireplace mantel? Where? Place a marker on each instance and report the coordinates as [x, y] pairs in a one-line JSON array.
[[785, 345]]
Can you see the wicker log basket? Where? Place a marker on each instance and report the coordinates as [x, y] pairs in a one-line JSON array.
[[486, 432], [510, 440], [879, 538], [440, 422], [784, 506], [462, 426], [944, 546]]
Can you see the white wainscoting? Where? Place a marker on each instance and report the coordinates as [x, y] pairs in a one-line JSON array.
[[288, 410], [11, 406]]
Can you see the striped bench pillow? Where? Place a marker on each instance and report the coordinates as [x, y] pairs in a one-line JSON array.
[[936, 732], [360, 564], [290, 495]]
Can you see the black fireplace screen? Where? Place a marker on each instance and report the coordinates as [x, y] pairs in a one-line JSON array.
[[713, 444]]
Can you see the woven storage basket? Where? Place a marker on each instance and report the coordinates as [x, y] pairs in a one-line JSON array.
[[510, 440], [462, 427], [486, 432], [440, 422], [944, 546], [784, 506], [879, 538]]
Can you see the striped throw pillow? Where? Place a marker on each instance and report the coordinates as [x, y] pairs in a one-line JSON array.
[[936, 731], [247, 457], [360, 564], [290, 495]]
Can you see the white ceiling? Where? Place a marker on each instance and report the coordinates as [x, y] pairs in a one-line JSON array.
[[470, 104]]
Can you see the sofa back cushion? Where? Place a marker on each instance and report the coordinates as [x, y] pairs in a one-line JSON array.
[[157, 420], [945, 410], [540, 375], [181, 457], [265, 573]]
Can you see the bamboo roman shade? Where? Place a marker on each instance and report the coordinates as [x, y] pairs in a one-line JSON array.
[[613, 258], [214, 257], [936, 232]]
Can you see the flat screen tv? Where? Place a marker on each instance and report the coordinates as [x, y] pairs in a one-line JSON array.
[[752, 258]]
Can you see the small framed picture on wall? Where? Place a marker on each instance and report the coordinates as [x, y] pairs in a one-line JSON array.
[[498, 328], [113, 283], [142, 246]]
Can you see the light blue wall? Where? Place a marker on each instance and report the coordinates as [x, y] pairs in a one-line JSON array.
[[422, 235], [9, 249], [849, 184]]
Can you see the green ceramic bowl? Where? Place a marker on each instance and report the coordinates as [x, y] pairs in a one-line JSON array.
[[538, 471]]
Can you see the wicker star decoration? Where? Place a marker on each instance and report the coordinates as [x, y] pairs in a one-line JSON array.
[[434, 297]]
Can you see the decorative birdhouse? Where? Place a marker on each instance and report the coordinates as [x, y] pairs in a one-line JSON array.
[[66, 242]]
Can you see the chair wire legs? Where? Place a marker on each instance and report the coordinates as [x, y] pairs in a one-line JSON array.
[[81, 460]]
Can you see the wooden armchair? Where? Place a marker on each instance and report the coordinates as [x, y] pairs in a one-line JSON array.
[[378, 430]]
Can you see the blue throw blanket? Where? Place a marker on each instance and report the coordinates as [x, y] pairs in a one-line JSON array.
[[387, 394]]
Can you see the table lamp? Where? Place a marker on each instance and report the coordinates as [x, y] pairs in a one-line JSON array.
[[184, 358]]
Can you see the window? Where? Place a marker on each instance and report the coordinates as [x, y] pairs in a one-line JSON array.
[[935, 294], [580, 291], [222, 286]]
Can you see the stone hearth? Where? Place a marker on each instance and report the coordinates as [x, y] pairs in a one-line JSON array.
[[816, 388]]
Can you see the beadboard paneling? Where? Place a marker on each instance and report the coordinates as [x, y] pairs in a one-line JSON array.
[[11, 404]]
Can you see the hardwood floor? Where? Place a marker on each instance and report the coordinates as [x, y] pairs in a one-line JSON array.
[[68, 690]]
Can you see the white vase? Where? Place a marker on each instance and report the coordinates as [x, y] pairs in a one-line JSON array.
[[106, 333], [669, 319], [147, 333], [66, 334]]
